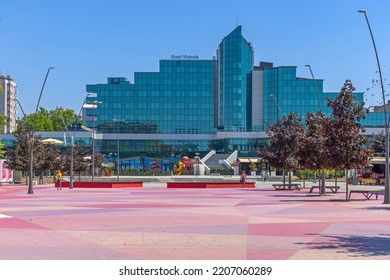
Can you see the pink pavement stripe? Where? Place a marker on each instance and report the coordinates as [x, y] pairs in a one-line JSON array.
[[253, 254], [18, 223], [287, 229], [141, 205], [216, 229], [7, 196], [184, 253]]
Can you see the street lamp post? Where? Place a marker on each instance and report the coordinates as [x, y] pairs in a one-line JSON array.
[[30, 182], [71, 180], [315, 85], [277, 104], [322, 187], [93, 142], [93, 154], [387, 188], [71, 177], [117, 159]]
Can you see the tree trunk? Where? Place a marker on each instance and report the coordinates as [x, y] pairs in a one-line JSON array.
[[319, 182], [284, 177], [346, 185]]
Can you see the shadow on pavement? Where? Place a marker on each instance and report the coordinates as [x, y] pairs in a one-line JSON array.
[[378, 208], [358, 246]]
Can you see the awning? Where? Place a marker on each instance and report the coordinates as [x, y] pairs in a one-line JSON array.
[[51, 141], [378, 160], [248, 160]]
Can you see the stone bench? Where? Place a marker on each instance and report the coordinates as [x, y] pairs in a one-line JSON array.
[[279, 187], [334, 189], [367, 193]]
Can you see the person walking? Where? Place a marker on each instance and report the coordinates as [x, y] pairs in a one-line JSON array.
[[243, 178], [58, 180]]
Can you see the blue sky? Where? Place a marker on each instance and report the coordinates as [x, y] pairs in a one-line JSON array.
[[88, 41]]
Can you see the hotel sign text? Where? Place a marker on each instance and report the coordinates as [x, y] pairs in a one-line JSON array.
[[184, 56]]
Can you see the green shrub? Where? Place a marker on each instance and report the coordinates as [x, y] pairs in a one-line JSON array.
[[222, 171], [329, 173]]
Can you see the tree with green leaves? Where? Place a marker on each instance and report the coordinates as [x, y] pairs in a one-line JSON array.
[[346, 143], [55, 120], [2, 149], [61, 118], [39, 121], [285, 139], [3, 119]]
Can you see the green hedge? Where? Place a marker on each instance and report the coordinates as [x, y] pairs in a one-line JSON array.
[[222, 171], [329, 174]]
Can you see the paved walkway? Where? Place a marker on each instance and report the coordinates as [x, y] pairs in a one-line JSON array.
[[158, 223]]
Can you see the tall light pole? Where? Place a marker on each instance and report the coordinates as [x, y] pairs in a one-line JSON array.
[[117, 159], [315, 85], [387, 188], [71, 177], [93, 154], [322, 187], [30, 182], [21, 108], [277, 104], [93, 146]]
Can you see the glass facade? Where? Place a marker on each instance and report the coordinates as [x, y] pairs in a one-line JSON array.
[[194, 105], [235, 61], [284, 92], [179, 99]]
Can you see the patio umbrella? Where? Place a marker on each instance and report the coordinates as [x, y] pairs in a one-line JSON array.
[[52, 141]]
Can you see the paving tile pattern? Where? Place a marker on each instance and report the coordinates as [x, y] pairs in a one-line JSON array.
[[190, 224]]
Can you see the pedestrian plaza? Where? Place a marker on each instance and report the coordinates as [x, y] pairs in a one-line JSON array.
[[157, 223]]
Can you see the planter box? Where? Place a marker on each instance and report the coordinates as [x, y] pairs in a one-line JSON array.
[[209, 185], [104, 184]]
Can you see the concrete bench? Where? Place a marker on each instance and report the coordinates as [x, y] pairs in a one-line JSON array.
[[279, 187], [215, 174], [367, 193], [334, 189]]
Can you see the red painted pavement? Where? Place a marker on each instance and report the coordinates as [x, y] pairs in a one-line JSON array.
[[103, 184], [208, 185]]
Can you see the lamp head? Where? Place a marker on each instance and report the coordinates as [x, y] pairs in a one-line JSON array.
[[362, 11], [307, 65]]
